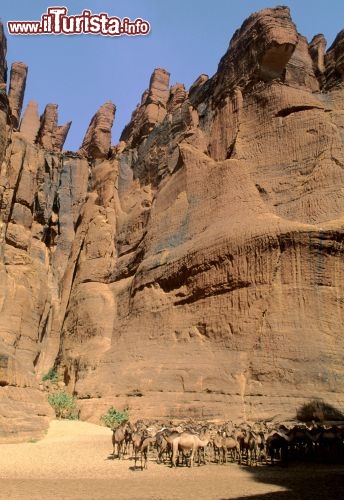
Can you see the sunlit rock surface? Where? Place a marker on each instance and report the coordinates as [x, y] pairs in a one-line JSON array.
[[196, 268]]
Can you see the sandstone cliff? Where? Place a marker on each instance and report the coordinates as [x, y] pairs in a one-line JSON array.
[[194, 269]]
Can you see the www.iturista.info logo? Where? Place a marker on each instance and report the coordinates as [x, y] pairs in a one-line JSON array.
[[56, 22]]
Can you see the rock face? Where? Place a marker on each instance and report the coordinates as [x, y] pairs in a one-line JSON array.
[[3, 50], [30, 123], [51, 136], [17, 90], [97, 141], [195, 269], [152, 109]]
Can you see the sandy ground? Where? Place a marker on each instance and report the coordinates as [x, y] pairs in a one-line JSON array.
[[72, 462]]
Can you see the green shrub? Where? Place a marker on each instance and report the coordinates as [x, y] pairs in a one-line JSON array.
[[64, 405], [113, 418], [51, 375]]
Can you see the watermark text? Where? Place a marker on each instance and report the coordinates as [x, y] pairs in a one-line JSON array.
[[56, 22]]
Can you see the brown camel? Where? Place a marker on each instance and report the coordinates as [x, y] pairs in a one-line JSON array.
[[118, 438], [232, 445], [163, 447], [141, 444], [187, 442], [223, 444], [218, 447], [248, 445]]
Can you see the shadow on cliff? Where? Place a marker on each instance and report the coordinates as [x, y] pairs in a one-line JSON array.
[[299, 482]]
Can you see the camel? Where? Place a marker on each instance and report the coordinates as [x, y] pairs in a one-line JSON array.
[[300, 441], [127, 438], [248, 445], [118, 438], [162, 445], [277, 444], [202, 443], [168, 436], [232, 445], [260, 446], [218, 448], [222, 444], [188, 442], [330, 443], [141, 443]]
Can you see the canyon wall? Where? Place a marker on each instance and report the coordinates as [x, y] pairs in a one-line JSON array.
[[196, 268]]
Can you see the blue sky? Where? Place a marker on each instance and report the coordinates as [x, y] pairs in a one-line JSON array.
[[188, 37]]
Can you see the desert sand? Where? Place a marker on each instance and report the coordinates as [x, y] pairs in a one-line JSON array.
[[73, 462]]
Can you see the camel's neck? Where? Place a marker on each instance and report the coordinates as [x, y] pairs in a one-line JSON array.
[[204, 440]]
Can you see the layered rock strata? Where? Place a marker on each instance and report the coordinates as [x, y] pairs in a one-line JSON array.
[[196, 268]]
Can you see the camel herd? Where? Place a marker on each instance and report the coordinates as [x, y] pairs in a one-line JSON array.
[[245, 444]]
